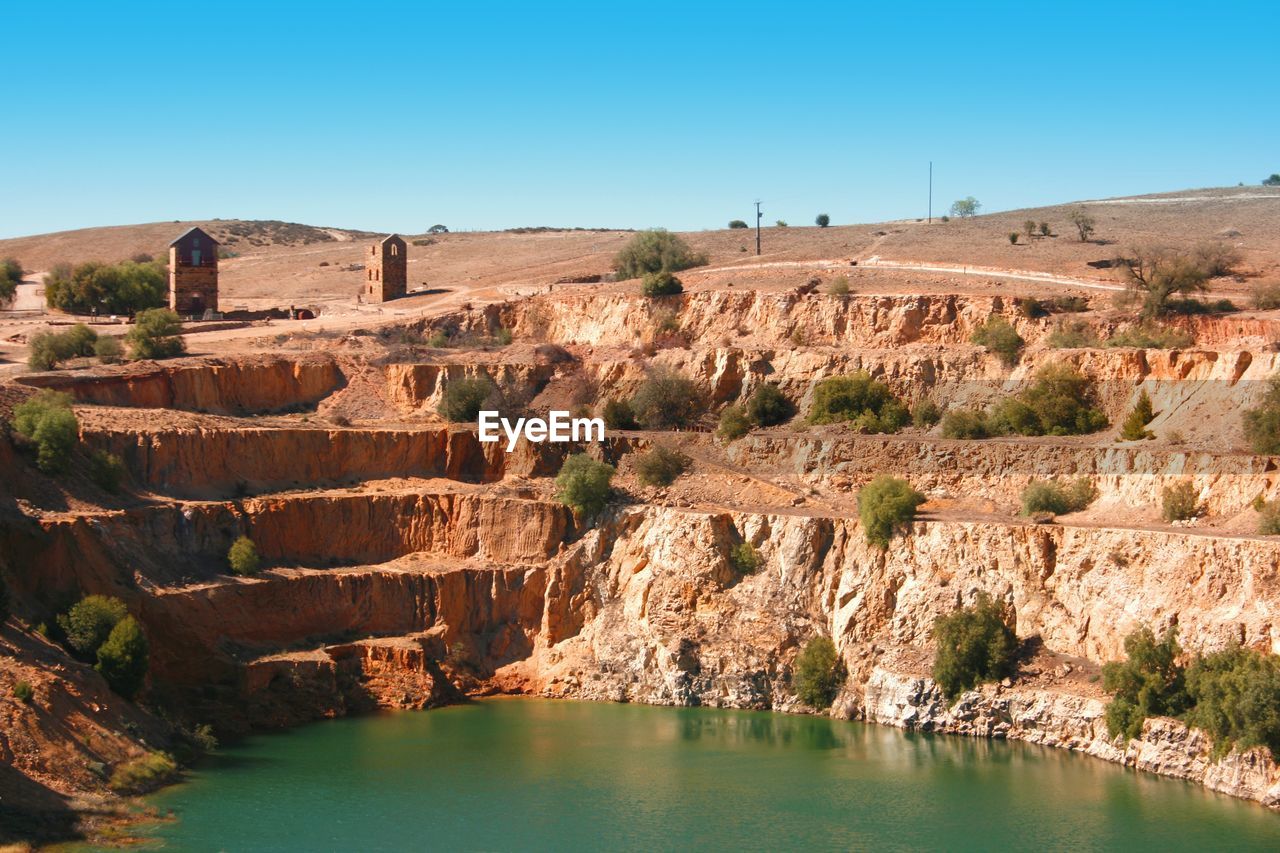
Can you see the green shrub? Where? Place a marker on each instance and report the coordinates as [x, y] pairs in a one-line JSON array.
[[768, 406], [1178, 502], [1235, 696], [745, 558], [1150, 682], [1013, 237], [243, 557], [1057, 498], [24, 692], [655, 250], [1262, 424], [583, 484], [11, 273], [81, 339], [108, 349], [661, 466], [89, 623], [818, 673], [48, 349], [1150, 335], [661, 283], [839, 287], [1045, 230], [1072, 334], [966, 424], [617, 414], [503, 337], [665, 400], [122, 659], [997, 336], [463, 399], [925, 414], [156, 333], [106, 470], [144, 774], [439, 339], [46, 420], [1061, 401], [111, 288], [885, 505], [975, 644], [737, 223], [1135, 425], [822, 220], [734, 423], [860, 399]]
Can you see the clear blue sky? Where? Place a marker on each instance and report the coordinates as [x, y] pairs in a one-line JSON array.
[[390, 116]]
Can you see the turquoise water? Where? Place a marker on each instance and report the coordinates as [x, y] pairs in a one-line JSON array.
[[516, 774]]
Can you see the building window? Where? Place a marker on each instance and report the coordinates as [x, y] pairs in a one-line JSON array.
[[195, 257]]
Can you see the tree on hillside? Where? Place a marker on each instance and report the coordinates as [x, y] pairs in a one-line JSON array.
[[1273, 181], [737, 223], [822, 220], [10, 276], [1083, 222], [966, 207], [656, 250], [1158, 273], [437, 229]]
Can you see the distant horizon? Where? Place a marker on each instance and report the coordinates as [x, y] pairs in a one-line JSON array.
[[487, 119]]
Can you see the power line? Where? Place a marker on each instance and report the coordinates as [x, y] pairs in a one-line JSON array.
[[758, 215]]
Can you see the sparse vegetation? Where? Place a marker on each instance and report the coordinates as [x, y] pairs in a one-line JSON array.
[[144, 774], [617, 414], [583, 484], [734, 423], [156, 333], [966, 207], [745, 558], [464, 398], [859, 400], [1262, 424], [818, 673], [1135, 425], [1150, 335], [1084, 223], [822, 220], [998, 336], [1029, 226], [661, 284], [88, 624], [885, 505], [839, 286], [768, 406], [1057, 498], [106, 470], [1072, 334], [122, 658], [1148, 683], [47, 422], [925, 414], [666, 400], [1179, 502], [974, 645], [242, 557], [1265, 295], [661, 466], [656, 250], [121, 288]]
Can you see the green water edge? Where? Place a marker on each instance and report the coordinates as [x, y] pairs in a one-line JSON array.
[[536, 774]]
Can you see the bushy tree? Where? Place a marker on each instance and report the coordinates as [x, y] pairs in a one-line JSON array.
[[1157, 274], [1179, 502], [1235, 696], [998, 336], [925, 414], [1262, 424], [967, 424], [661, 283], [974, 644], [89, 623], [859, 399], [1057, 498], [463, 399], [661, 466], [11, 273], [47, 421], [737, 223], [822, 220], [583, 484], [1084, 223], [818, 673], [48, 349], [665, 400], [617, 414], [156, 333], [1272, 181], [655, 250], [885, 505], [243, 557], [1135, 425], [966, 207], [108, 349], [1150, 682], [734, 423], [1059, 401], [122, 658], [111, 288], [768, 406]]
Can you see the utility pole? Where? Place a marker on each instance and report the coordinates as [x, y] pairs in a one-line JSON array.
[[930, 192], [758, 215]]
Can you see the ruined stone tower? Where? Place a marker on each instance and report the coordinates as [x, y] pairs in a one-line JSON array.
[[387, 270], [193, 273]]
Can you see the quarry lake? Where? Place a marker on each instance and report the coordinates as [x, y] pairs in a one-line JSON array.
[[522, 774]]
